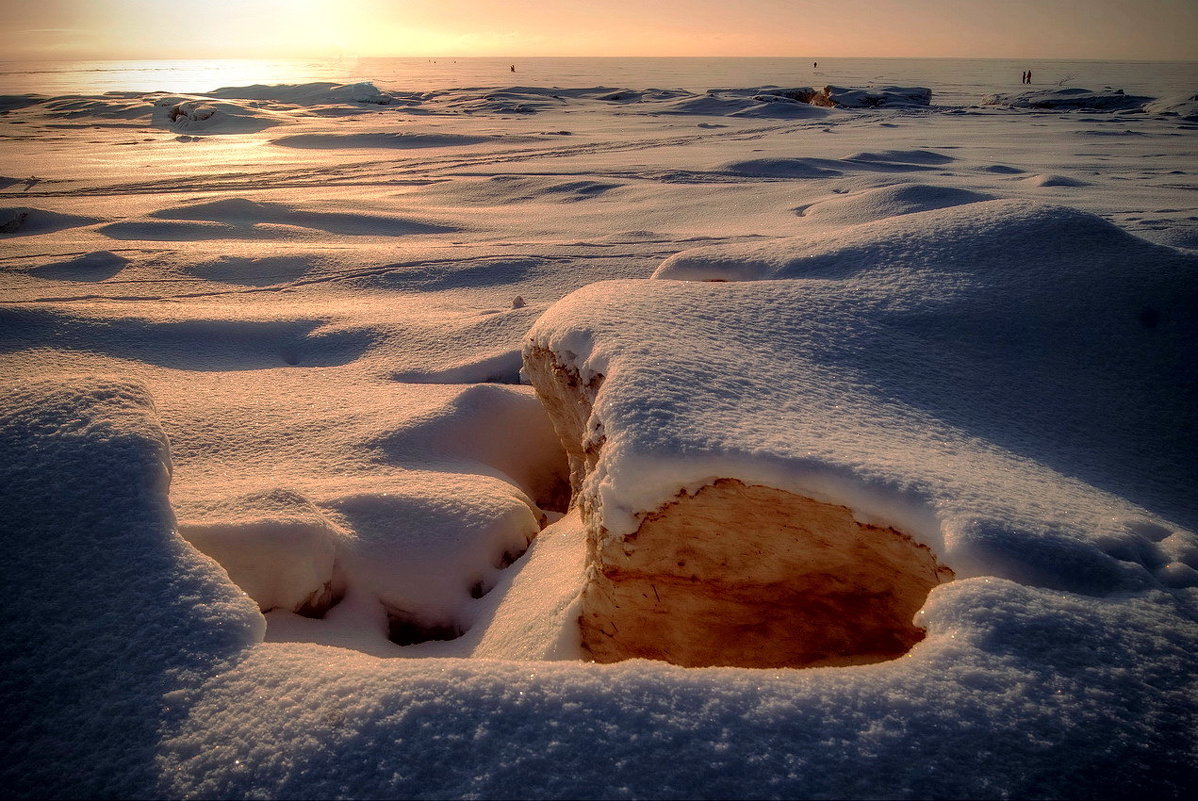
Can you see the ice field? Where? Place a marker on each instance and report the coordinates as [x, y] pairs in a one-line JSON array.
[[324, 405]]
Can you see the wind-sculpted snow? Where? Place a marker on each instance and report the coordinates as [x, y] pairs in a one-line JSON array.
[[1018, 690], [18, 221], [189, 344]]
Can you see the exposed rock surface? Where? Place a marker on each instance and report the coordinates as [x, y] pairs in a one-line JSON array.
[[754, 576]]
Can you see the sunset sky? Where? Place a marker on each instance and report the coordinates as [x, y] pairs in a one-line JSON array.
[[127, 29]]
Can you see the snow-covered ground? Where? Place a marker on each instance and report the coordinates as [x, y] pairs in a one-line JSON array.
[[283, 519]]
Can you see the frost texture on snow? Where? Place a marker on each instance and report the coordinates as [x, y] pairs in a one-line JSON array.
[[111, 618]]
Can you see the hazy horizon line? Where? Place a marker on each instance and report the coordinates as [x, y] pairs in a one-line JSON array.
[[510, 57]]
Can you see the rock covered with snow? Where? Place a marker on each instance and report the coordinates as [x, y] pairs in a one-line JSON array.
[[202, 115], [972, 376], [873, 97], [843, 97], [864, 373]]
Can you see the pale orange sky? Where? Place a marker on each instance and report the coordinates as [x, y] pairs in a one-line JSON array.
[[128, 29]]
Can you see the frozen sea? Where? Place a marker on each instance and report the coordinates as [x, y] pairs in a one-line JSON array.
[[285, 517], [953, 81]]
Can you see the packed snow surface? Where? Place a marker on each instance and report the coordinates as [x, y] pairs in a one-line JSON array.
[[285, 522]]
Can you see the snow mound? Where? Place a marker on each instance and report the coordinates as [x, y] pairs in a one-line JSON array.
[[1070, 99], [1049, 180], [276, 546], [887, 201], [113, 617], [309, 94], [89, 267], [200, 343], [926, 158], [809, 167], [425, 554], [785, 168], [500, 431], [497, 368], [24, 221]]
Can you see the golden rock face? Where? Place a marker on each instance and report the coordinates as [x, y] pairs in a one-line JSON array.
[[753, 576], [737, 574]]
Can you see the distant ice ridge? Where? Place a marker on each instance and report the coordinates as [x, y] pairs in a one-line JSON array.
[[1070, 98], [248, 109]]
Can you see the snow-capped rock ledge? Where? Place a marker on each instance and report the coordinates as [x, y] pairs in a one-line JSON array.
[[959, 388], [736, 574]]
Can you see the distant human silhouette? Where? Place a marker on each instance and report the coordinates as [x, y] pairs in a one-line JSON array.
[[1029, 76], [513, 68], [815, 65]]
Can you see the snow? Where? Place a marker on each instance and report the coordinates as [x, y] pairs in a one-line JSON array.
[[1072, 98], [266, 443], [111, 613]]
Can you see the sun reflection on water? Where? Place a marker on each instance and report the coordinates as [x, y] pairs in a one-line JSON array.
[[182, 75]]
